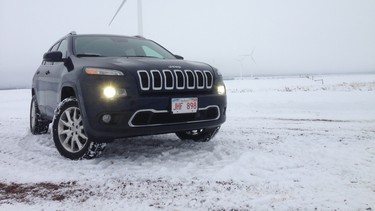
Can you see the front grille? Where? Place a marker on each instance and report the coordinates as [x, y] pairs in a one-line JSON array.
[[171, 80]]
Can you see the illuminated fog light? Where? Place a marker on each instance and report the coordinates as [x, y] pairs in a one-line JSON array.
[[109, 92], [221, 90], [106, 118]]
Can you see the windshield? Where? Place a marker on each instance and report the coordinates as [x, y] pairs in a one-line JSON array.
[[116, 46]]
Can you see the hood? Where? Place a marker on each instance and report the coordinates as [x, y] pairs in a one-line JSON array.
[[136, 63]]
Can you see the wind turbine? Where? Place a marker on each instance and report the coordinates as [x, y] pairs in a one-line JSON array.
[[140, 21], [243, 57]]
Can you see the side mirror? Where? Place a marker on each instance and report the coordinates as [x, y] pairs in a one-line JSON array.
[[179, 57], [53, 56]]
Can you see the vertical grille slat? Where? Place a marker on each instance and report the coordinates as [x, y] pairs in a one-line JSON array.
[[180, 79], [169, 80], [200, 79], [209, 79], [157, 80], [144, 80], [190, 79]]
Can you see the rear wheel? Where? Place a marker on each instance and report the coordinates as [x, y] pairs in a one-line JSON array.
[[199, 135], [69, 134], [37, 124]]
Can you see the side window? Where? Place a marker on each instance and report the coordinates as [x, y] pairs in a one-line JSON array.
[[63, 48], [54, 48]]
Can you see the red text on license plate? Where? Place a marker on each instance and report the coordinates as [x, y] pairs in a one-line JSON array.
[[184, 105]]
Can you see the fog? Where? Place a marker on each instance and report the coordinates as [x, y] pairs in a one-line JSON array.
[[241, 37]]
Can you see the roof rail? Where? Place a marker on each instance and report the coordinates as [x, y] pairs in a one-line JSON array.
[[70, 33], [139, 36]]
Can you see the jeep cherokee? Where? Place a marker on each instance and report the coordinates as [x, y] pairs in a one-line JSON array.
[[98, 88]]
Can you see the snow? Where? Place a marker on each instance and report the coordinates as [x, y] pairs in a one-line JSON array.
[[288, 143]]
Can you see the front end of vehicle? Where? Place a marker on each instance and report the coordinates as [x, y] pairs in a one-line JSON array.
[[150, 100]]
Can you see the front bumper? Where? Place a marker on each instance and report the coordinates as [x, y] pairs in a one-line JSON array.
[[147, 114]]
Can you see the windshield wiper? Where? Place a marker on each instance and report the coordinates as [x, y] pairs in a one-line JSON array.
[[89, 55], [143, 56]]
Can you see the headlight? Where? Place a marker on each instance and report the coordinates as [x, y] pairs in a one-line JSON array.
[[101, 71], [111, 92], [221, 89]]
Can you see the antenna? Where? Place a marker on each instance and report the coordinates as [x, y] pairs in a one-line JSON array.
[[140, 16]]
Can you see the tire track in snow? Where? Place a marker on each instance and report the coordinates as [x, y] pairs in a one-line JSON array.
[[36, 154]]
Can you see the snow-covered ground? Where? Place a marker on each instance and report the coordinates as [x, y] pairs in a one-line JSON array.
[[288, 144]]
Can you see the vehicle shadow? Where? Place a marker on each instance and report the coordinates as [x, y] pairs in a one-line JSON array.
[[165, 146]]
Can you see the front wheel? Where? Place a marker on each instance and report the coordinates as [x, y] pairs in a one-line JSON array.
[[69, 134], [200, 135]]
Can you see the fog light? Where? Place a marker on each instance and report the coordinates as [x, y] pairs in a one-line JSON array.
[[106, 118], [221, 90], [109, 92]]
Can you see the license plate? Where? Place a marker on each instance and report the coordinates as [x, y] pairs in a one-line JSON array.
[[184, 105]]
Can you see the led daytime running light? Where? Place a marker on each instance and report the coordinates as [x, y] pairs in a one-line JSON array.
[[100, 71]]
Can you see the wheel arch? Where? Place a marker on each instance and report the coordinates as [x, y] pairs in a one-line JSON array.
[[66, 92], [71, 90]]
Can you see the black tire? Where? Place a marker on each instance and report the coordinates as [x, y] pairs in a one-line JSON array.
[[200, 135], [69, 134], [37, 124]]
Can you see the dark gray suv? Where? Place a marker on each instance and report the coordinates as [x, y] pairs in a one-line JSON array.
[[98, 88]]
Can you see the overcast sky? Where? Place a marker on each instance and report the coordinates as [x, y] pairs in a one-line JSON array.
[[283, 36]]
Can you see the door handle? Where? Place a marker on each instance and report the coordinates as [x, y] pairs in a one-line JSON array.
[[48, 72]]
